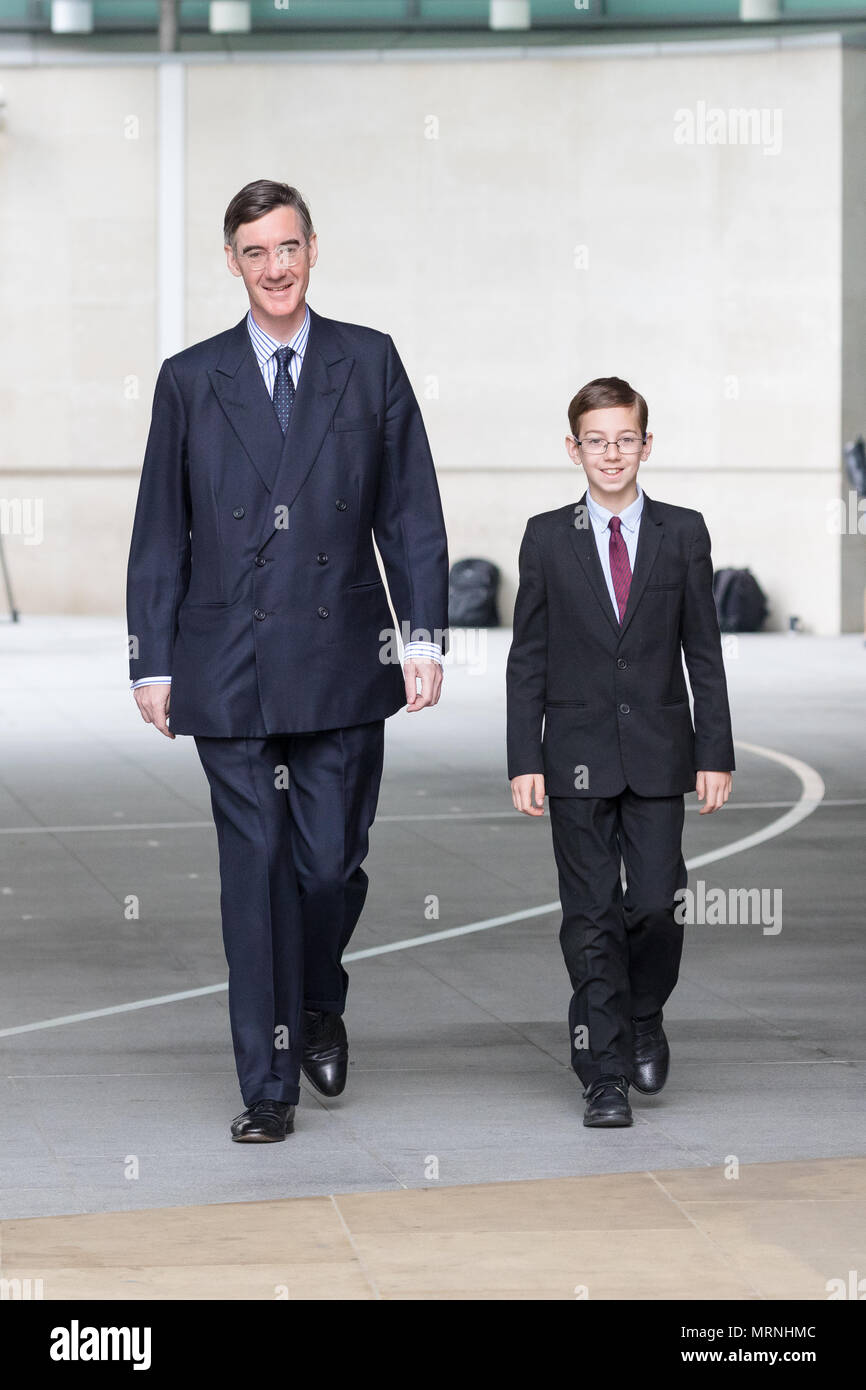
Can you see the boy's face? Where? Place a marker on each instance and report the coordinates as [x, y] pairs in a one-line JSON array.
[[611, 476]]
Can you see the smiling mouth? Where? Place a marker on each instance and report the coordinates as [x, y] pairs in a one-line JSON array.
[[611, 472], [278, 289]]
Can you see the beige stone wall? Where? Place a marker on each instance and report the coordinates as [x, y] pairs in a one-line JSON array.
[[852, 557], [77, 200], [517, 226]]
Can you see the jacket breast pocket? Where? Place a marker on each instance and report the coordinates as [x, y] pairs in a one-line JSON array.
[[355, 422]]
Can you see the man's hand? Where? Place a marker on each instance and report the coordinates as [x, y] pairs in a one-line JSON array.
[[153, 702], [715, 787], [522, 789], [430, 674]]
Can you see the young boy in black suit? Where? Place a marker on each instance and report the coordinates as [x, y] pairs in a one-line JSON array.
[[613, 593]]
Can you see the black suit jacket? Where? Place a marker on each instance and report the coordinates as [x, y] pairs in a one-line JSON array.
[[252, 577], [587, 693]]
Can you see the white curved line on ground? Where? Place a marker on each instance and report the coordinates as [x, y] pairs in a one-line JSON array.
[[811, 796]]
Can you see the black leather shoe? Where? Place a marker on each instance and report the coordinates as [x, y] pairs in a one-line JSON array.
[[326, 1051], [264, 1122], [607, 1104], [651, 1055]]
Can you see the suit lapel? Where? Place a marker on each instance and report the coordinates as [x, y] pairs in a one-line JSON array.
[[243, 395], [323, 378], [583, 540], [586, 549], [648, 541]]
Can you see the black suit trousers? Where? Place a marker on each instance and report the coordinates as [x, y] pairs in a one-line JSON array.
[[622, 948], [292, 815]]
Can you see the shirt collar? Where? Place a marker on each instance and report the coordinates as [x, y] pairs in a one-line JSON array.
[[600, 516], [264, 346]]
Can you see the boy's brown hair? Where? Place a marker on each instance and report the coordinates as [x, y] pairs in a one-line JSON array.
[[602, 393]]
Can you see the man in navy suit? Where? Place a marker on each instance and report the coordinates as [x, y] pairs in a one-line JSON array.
[[260, 625]]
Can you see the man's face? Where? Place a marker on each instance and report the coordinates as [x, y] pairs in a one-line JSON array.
[[610, 474], [261, 256]]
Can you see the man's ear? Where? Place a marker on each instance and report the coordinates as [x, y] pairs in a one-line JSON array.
[[231, 262], [314, 249]]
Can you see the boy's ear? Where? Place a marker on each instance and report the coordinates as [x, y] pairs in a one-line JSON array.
[[647, 448], [572, 450]]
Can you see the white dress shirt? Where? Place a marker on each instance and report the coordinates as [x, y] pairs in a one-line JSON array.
[[629, 530]]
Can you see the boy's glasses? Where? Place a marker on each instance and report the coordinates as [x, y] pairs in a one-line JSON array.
[[287, 255], [626, 444]]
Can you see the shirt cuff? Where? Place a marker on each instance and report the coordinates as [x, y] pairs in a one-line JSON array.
[[151, 680], [423, 651]]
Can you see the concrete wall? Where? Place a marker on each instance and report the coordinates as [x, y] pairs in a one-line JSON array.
[[852, 556], [518, 226], [78, 346]]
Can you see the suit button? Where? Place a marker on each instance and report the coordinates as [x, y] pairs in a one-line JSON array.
[[238, 513], [260, 560], [341, 504], [322, 558], [323, 612], [259, 615], [621, 663], [625, 709]]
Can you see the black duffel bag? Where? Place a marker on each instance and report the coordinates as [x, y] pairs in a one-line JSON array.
[[740, 602], [473, 587]]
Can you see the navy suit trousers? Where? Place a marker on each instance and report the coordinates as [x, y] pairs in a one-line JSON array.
[[292, 815]]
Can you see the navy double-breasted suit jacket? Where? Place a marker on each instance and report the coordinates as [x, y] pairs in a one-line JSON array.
[[598, 705], [252, 577]]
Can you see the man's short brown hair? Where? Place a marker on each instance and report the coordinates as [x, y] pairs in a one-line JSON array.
[[602, 393], [258, 198]]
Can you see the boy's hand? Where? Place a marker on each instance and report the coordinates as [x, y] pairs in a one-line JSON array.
[[715, 787], [522, 789]]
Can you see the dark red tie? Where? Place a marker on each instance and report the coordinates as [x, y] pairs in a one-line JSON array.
[[620, 569]]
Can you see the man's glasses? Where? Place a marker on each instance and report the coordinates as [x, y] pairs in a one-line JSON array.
[[287, 255], [626, 444]]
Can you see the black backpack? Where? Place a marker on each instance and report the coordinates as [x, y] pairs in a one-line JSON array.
[[740, 602], [473, 586]]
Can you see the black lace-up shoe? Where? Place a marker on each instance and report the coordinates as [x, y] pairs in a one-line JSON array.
[[264, 1122], [326, 1051]]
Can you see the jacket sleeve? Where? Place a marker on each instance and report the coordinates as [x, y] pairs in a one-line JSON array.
[[526, 669], [408, 524], [158, 571], [702, 648]]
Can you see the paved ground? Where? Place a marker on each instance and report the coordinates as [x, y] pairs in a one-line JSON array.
[[794, 1230], [459, 1068]]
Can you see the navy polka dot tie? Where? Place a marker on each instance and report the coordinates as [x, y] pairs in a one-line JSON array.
[[620, 569], [284, 388]]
